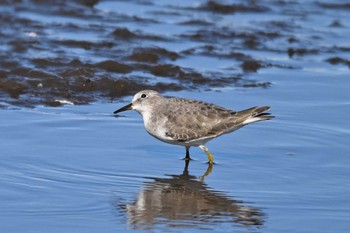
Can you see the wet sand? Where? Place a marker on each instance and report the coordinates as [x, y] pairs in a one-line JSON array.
[[83, 51]]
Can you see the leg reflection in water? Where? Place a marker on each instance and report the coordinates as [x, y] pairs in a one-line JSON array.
[[186, 201]]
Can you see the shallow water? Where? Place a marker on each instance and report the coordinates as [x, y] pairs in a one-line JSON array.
[[80, 169]]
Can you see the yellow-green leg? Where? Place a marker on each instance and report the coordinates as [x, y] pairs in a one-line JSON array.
[[210, 156]]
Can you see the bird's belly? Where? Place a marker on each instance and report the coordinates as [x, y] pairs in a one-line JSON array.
[[160, 135], [159, 132], [157, 129]]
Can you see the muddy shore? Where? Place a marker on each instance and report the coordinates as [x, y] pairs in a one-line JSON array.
[[81, 51]]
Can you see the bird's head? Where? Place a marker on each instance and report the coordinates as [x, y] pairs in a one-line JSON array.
[[142, 101]]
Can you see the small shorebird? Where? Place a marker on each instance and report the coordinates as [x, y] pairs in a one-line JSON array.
[[187, 122]]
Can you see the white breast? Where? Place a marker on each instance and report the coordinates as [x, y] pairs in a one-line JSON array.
[[156, 127]]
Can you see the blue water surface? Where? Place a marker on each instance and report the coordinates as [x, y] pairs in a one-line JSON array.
[[81, 169]]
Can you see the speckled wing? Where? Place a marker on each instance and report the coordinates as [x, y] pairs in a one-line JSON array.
[[189, 120]]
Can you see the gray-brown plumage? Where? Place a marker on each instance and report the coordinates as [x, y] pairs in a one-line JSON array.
[[195, 119], [188, 122]]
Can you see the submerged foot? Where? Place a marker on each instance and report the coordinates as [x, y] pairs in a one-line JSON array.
[[211, 163]]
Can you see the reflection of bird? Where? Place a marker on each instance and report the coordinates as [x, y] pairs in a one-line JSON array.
[[188, 122], [186, 201]]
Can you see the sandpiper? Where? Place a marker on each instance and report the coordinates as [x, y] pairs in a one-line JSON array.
[[187, 122]]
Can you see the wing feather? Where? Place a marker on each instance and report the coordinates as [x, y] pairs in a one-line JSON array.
[[190, 119]]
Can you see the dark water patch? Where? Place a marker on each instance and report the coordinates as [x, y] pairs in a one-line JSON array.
[[257, 84], [114, 66], [126, 34], [118, 88], [292, 40], [143, 20], [152, 55], [8, 64], [166, 70], [301, 51], [216, 51], [286, 26], [7, 17], [337, 6], [88, 45], [31, 73], [160, 87], [3, 74], [339, 49], [52, 103], [201, 50], [254, 66], [228, 36], [189, 76], [270, 34], [12, 87], [217, 7], [336, 23], [56, 62], [252, 42], [206, 35], [251, 66], [20, 45], [196, 22], [89, 3], [80, 72], [76, 8], [338, 60], [147, 57]]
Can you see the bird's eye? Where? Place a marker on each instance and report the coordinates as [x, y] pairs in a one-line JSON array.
[[143, 96]]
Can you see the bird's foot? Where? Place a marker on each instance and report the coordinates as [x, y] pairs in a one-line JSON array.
[[210, 163], [187, 159]]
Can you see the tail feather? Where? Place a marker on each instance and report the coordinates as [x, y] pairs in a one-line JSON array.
[[256, 114]]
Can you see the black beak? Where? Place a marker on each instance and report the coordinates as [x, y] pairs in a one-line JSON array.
[[127, 107]]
